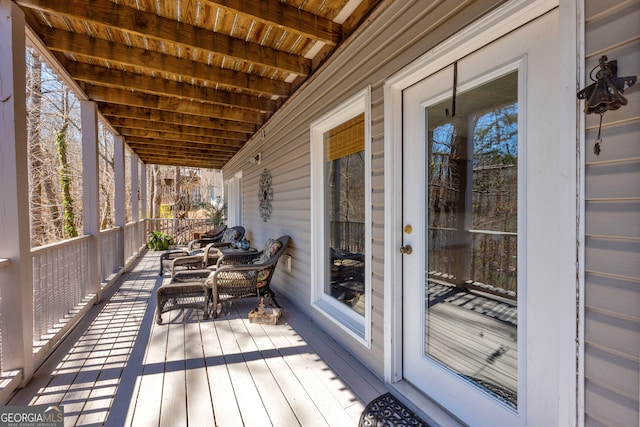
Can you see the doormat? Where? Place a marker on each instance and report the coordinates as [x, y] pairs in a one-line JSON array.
[[387, 411]]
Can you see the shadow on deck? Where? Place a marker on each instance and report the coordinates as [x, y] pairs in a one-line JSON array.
[[119, 368]]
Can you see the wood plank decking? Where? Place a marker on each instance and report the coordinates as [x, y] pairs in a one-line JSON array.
[[120, 368]]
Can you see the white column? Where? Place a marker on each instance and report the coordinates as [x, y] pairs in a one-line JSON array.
[[16, 280], [91, 192], [118, 200], [144, 200], [135, 202], [135, 189]]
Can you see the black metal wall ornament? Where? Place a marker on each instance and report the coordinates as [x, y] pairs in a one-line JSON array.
[[605, 94], [265, 195]]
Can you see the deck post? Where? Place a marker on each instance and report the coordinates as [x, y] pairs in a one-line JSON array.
[[144, 201], [118, 200], [135, 199], [16, 282], [91, 193]]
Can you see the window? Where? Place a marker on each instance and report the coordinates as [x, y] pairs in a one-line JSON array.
[[233, 194], [340, 170]]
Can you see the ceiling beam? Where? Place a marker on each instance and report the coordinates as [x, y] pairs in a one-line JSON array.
[[116, 110], [148, 24], [121, 79], [223, 144], [141, 99], [125, 122], [182, 145], [195, 154], [167, 158], [164, 161], [283, 16], [121, 54]]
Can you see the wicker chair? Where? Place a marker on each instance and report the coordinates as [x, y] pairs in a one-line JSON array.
[[212, 236], [232, 280], [200, 258]]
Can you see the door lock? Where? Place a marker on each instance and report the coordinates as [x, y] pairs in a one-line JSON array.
[[406, 250]]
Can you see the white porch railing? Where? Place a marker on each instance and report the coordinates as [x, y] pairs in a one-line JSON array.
[[134, 239], [3, 263], [60, 284], [62, 291], [181, 229], [110, 249]]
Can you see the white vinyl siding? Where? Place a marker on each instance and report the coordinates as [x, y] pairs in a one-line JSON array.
[[612, 227], [402, 32]]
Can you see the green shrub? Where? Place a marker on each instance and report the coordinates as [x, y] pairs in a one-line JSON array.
[[159, 241]]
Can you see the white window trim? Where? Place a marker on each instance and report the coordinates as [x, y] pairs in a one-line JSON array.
[[357, 326], [233, 196]]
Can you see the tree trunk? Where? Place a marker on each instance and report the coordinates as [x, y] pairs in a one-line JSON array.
[[157, 192], [34, 85], [65, 181]]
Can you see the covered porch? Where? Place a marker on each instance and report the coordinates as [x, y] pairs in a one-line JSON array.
[[118, 367]]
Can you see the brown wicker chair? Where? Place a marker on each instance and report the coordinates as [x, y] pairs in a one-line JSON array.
[[212, 236], [232, 280], [203, 257]]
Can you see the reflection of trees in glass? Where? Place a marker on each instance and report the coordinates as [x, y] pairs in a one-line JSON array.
[[493, 198], [349, 205], [495, 160]]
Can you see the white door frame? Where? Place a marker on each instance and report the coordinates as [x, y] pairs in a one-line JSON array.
[[490, 27]]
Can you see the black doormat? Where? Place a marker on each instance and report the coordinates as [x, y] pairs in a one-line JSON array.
[[387, 411]]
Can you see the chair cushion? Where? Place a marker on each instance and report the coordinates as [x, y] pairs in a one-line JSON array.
[[230, 235], [270, 249]]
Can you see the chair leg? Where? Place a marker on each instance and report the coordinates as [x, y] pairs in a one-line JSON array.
[[205, 315], [214, 303]]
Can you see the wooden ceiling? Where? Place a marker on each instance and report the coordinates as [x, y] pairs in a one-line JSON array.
[[188, 82]]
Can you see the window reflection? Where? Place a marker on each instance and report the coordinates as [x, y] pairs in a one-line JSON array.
[[472, 195], [345, 216]]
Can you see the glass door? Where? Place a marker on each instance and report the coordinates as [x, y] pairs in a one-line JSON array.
[[465, 184]]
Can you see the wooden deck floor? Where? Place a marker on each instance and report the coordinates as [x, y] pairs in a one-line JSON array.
[[120, 368]]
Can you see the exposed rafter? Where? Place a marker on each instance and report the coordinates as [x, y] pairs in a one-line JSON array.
[[189, 83]]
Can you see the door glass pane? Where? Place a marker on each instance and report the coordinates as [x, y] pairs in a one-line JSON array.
[[345, 226], [472, 193]]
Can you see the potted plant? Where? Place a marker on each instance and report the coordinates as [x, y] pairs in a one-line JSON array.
[[159, 241]]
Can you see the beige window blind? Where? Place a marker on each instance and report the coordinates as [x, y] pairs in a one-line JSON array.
[[345, 139]]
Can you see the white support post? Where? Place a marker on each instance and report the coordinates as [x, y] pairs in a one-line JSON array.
[[135, 200], [135, 189], [16, 279], [118, 201], [143, 197], [91, 193]]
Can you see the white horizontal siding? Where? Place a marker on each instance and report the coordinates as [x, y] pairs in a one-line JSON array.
[[401, 31], [612, 226]]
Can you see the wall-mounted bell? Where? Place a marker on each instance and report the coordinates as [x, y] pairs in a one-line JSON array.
[[606, 92]]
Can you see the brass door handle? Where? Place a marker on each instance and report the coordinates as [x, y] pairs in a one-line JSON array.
[[406, 250]]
